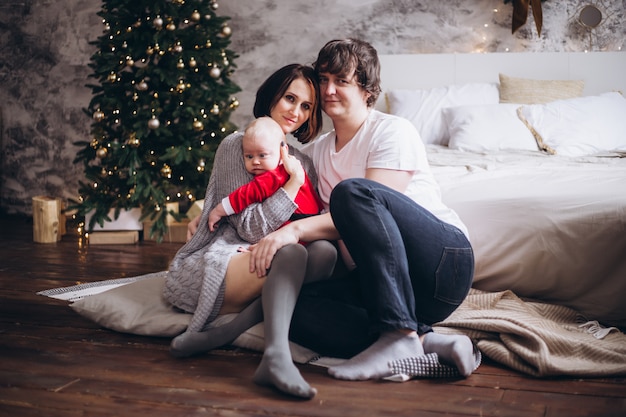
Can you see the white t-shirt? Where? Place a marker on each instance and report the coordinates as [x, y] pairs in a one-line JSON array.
[[383, 141]]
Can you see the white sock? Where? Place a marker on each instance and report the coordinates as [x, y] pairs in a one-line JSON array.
[[456, 350], [373, 362]]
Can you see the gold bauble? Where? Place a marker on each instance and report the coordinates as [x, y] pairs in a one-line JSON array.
[[101, 152], [198, 125], [158, 23], [166, 171], [195, 16], [133, 140], [98, 115], [130, 62], [178, 48], [226, 30], [193, 62], [180, 64], [142, 86], [215, 109], [170, 26], [112, 77], [180, 87]]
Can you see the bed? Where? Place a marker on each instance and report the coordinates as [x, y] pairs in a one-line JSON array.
[[529, 149]]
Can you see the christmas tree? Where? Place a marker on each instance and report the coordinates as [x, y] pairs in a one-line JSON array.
[[160, 109]]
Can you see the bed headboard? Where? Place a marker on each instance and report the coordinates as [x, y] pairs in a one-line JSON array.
[[601, 71]]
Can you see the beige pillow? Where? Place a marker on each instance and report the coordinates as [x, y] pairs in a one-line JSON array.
[[137, 308], [527, 91]]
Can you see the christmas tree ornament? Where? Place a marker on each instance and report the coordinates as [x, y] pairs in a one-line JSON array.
[[215, 110], [214, 5], [226, 31], [215, 72], [195, 16], [180, 87], [142, 85], [198, 125], [149, 50], [166, 171], [178, 48], [180, 64], [129, 62], [98, 115], [133, 140], [154, 123], [201, 165], [101, 152], [192, 62], [158, 22], [234, 103], [171, 26], [112, 77]]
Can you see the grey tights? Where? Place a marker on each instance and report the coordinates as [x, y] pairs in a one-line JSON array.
[[276, 304]]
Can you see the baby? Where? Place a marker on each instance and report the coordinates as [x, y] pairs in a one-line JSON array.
[[261, 143]]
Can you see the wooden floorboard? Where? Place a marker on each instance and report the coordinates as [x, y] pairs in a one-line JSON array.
[[54, 362]]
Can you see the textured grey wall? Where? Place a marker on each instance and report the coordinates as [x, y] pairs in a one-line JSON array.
[[44, 53]]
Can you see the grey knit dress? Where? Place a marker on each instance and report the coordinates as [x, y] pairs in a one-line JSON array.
[[195, 280]]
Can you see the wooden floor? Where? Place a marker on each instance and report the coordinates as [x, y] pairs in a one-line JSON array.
[[55, 363]]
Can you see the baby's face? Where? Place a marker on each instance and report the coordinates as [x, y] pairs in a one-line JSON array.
[[261, 153]]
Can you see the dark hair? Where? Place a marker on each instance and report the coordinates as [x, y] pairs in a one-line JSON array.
[[342, 56], [273, 89]]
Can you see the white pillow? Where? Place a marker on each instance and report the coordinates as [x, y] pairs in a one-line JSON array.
[[579, 126], [423, 107], [488, 127]]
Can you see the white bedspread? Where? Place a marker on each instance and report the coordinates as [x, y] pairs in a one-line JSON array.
[[546, 227]]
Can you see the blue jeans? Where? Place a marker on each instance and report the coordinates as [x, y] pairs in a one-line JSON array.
[[413, 270]]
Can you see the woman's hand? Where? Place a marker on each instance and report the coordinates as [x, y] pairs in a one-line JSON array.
[[263, 252], [192, 227]]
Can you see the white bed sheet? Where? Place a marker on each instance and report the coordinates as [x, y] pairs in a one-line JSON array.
[[546, 227]]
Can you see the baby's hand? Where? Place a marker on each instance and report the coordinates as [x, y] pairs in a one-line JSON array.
[[292, 165], [215, 216]]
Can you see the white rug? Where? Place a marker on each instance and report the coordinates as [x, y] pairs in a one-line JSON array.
[[80, 291]]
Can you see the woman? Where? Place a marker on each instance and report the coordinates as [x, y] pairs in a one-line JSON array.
[[414, 262], [209, 277]]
